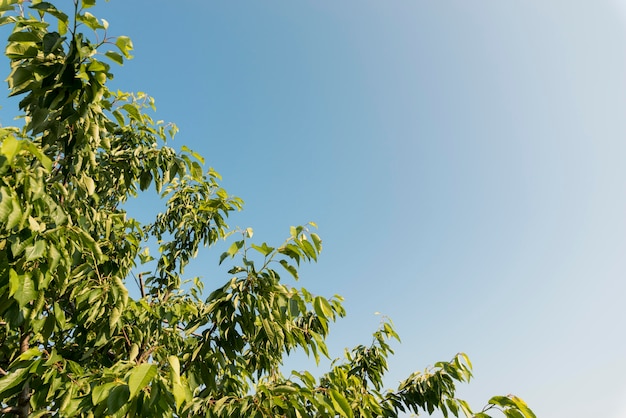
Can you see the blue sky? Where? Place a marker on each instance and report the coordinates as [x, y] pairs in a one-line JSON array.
[[464, 162]]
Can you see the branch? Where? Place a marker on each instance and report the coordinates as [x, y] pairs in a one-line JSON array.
[[141, 287], [9, 410]]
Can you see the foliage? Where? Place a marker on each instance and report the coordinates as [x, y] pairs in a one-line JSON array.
[[72, 341]]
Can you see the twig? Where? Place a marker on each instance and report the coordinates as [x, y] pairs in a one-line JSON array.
[[141, 287], [9, 410]]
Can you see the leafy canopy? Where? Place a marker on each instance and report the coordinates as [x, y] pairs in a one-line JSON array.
[[72, 341]]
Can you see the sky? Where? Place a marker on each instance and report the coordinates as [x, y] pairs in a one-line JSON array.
[[464, 162]]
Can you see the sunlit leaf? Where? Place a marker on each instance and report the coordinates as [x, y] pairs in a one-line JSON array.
[[140, 377]]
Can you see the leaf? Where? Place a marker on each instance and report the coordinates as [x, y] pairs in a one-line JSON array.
[[24, 37], [140, 377], [503, 401], [291, 269], [174, 368], [134, 352], [45, 161], [317, 242], [21, 287], [341, 404], [308, 249], [90, 185], [125, 45], [12, 380], [193, 153], [114, 317], [523, 408], [97, 66], [9, 147], [196, 171], [263, 249], [35, 251], [180, 394], [178, 390], [49, 8], [59, 315], [15, 215], [234, 248], [101, 392], [115, 57], [28, 354], [90, 20], [132, 111], [145, 179], [284, 389], [322, 307], [117, 398], [51, 41]]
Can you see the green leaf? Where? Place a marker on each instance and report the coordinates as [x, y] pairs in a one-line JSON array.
[[45, 161], [193, 153], [22, 288], [114, 317], [24, 37], [115, 57], [140, 377], [49, 8], [180, 394], [263, 249], [178, 390], [341, 404], [322, 308], [9, 147], [12, 380], [317, 242], [234, 248], [51, 41], [291, 269], [132, 111], [196, 171], [59, 316], [125, 45], [308, 249], [35, 251], [90, 185], [503, 401], [523, 408], [28, 354], [117, 398], [15, 214], [97, 66], [90, 20], [100, 393], [18, 50], [174, 368]]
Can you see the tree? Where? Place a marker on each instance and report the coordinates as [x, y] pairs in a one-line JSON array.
[[72, 341]]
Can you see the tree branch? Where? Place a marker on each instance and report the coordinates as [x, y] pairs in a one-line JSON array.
[[23, 402], [9, 410]]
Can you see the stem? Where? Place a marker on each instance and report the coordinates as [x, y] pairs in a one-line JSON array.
[[141, 287], [23, 401]]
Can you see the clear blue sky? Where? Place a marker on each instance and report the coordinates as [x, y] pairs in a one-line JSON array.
[[464, 161]]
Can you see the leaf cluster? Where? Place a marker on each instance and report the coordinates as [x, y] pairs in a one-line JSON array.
[[72, 340]]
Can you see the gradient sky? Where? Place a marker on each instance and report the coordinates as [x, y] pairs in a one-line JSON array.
[[464, 161]]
